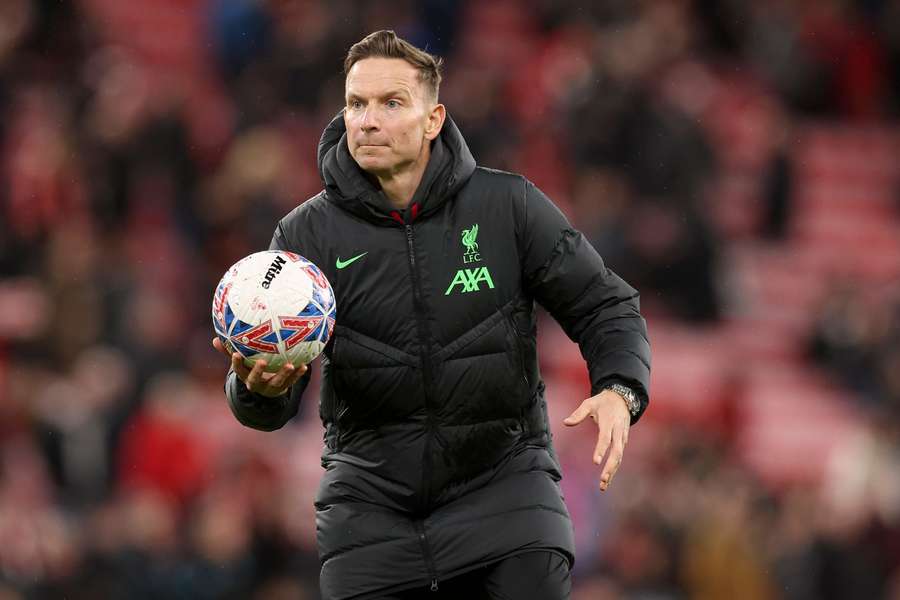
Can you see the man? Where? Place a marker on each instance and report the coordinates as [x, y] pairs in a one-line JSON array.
[[439, 470]]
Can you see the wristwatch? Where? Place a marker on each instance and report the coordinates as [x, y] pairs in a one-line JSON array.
[[631, 399]]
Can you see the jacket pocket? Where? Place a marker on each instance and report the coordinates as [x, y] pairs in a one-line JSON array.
[[372, 382], [518, 348]]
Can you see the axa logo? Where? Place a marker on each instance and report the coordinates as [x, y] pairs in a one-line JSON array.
[[469, 280]]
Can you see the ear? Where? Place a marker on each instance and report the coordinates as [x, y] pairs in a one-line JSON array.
[[436, 117]]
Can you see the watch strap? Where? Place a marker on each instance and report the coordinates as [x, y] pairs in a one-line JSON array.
[[631, 399]]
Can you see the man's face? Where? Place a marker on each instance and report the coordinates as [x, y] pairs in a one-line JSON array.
[[389, 115]]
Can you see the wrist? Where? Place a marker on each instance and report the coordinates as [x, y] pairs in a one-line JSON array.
[[628, 396]]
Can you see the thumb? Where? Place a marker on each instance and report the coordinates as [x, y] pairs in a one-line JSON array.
[[218, 345], [578, 416]]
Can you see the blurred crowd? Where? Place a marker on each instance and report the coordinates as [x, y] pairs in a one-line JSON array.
[[145, 148]]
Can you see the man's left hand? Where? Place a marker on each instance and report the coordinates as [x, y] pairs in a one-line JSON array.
[[609, 411]]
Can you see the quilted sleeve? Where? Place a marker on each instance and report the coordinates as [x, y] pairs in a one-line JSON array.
[[595, 307]]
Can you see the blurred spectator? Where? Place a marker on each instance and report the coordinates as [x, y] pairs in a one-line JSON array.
[[671, 254], [722, 553], [778, 186], [76, 420], [159, 449], [857, 337]]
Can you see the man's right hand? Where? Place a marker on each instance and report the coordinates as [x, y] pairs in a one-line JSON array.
[[257, 379]]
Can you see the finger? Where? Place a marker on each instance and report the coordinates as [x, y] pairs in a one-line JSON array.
[[297, 374], [612, 463], [278, 380], [255, 375], [579, 415], [238, 366], [604, 438], [218, 345]]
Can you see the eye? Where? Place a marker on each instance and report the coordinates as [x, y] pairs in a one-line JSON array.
[[393, 104], [355, 104]]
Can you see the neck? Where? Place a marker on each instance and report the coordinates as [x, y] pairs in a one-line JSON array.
[[399, 187]]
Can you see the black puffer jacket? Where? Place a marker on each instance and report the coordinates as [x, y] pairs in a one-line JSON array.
[[437, 445]]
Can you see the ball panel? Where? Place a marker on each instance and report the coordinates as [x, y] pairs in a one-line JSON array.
[[267, 282], [324, 297], [254, 339], [298, 329], [220, 308]]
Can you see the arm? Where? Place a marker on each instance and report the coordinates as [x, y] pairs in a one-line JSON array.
[[597, 310], [263, 412], [262, 405], [595, 307]]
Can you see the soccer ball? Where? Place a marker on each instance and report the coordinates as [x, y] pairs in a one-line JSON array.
[[276, 306]]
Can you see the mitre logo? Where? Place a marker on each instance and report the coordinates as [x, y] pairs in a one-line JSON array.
[[274, 269]]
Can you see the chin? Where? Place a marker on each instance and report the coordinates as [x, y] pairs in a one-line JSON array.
[[372, 164]]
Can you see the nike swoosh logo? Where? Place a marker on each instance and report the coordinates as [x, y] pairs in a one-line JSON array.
[[340, 264]]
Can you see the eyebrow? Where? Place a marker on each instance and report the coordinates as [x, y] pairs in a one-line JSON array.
[[390, 94]]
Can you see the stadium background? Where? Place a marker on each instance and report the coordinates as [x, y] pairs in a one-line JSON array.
[[735, 160]]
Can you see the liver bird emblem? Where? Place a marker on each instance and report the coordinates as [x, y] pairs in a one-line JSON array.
[[468, 239]]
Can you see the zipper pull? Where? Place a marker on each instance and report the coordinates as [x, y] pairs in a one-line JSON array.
[[434, 585]]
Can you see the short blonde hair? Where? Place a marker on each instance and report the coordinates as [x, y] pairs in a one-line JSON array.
[[387, 44]]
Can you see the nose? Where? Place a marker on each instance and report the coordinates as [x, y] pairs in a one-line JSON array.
[[369, 120]]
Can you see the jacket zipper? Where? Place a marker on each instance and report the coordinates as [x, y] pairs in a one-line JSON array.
[[427, 379], [426, 550]]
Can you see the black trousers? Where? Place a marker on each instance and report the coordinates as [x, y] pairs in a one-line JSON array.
[[537, 575]]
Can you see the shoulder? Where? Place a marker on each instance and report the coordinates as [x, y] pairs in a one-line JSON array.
[[502, 191], [496, 188], [310, 208], [495, 179], [297, 229]]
